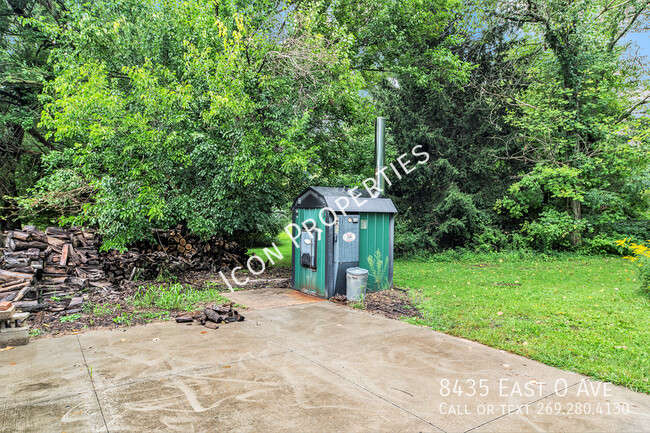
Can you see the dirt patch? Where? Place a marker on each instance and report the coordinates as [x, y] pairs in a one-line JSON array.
[[112, 308], [394, 303], [100, 310]]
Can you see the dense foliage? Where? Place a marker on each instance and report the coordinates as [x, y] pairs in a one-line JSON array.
[[206, 113], [550, 131], [127, 115], [24, 50], [449, 202], [581, 121]]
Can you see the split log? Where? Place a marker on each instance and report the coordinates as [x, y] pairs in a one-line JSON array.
[[24, 270], [223, 309], [20, 294], [15, 245], [8, 296], [64, 255], [57, 231], [11, 283], [212, 316], [26, 305], [55, 240], [9, 276], [21, 236], [16, 286], [32, 253], [75, 281], [12, 262]]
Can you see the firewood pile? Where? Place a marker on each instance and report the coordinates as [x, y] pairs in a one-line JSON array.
[[212, 316], [50, 270], [40, 265], [174, 251]]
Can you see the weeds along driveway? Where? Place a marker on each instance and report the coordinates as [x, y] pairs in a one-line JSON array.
[[307, 367]]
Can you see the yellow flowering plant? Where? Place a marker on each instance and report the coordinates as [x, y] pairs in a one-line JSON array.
[[639, 253]]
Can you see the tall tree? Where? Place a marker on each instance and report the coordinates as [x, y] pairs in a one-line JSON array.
[[449, 202], [212, 113], [582, 117], [23, 70]]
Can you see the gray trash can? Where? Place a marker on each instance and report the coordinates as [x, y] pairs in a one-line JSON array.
[[356, 283]]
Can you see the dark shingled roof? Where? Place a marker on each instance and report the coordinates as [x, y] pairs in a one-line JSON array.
[[340, 200]]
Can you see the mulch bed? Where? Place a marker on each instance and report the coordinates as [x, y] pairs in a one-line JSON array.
[[395, 303]]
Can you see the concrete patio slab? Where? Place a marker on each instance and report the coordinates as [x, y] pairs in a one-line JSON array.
[[461, 383], [44, 367], [321, 323], [308, 367], [274, 393], [122, 355], [70, 413], [581, 409]]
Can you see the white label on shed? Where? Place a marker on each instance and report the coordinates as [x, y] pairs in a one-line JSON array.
[[349, 237]]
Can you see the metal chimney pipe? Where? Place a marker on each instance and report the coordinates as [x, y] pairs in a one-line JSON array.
[[380, 152]]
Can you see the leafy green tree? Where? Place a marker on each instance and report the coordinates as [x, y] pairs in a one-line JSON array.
[[582, 118], [209, 113], [409, 38], [23, 69], [449, 202]]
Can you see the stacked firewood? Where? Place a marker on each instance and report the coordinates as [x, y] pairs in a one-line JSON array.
[[50, 270], [173, 251], [50, 264]]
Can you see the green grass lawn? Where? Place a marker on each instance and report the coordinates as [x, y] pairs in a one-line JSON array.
[[283, 242], [583, 314]]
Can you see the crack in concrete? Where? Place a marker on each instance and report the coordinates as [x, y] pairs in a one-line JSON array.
[[96, 388], [524, 405], [92, 382]]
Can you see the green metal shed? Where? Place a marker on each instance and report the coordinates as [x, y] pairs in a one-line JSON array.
[[335, 229]]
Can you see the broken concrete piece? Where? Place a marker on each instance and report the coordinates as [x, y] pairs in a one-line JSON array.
[[14, 336], [6, 314], [11, 331]]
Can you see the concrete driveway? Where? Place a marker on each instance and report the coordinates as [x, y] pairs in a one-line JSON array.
[[297, 366]]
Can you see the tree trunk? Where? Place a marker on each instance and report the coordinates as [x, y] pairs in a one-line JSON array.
[[11, 145], [576, 238]]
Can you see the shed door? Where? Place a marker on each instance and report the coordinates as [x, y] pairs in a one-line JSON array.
[[347, 238]]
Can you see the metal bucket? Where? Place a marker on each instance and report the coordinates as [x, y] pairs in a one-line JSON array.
[[356, 283]]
